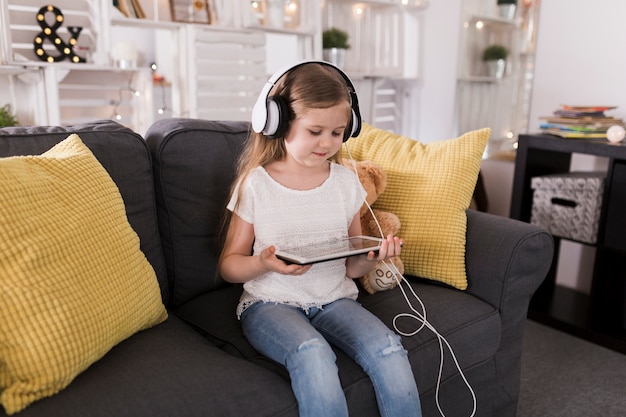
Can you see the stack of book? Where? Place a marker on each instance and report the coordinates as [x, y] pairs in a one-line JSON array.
[[580, 122]]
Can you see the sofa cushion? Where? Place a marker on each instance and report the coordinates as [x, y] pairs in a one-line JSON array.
[[124, 155], [471, 326], [194, 166], [73, 280], [459, 316], [429, 187], [169, 370]]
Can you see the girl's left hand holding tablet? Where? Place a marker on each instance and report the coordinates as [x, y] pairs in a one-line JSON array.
[[271, 262], [237, 264]]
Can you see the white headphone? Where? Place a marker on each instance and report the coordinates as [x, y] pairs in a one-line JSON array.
[[270, 114]]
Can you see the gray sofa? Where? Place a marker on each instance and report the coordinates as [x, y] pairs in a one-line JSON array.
[[197, 363]]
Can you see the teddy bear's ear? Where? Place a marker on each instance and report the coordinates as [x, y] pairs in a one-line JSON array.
[[379, 176]]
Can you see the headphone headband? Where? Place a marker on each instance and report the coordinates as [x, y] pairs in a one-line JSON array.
[[269, 112]]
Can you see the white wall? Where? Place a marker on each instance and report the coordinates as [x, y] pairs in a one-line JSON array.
[[580, 57], [580, 60], [442, 28]]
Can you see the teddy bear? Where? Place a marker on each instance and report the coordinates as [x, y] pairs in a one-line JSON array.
[[374, 180]]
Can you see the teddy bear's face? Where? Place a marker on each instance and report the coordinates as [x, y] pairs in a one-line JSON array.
[[384, 276]]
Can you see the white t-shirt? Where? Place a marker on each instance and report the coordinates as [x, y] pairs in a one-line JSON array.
[[285, 217]]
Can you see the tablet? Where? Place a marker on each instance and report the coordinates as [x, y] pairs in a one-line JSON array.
[[327, 251]]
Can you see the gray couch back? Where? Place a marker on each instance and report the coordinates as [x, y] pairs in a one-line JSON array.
[[194, 166], [125, 156]]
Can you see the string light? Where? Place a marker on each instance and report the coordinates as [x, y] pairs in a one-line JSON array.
[[116, 103], [161, 82]]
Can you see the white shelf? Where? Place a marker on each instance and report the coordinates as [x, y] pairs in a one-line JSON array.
[[494, 20], [406, 4], [482, 79], [146, 23], [67, 66], [285, 31], [15, 69]]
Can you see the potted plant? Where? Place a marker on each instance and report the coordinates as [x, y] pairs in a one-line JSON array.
[[506, 8], [7, 118], [334, 46], [495, 58]]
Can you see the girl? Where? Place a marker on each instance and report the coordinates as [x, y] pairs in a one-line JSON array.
[[289, 193]]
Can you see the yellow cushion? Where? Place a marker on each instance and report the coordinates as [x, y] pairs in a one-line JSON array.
[[429, 187], [73, 281]]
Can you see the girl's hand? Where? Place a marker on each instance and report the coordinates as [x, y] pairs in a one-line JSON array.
[[272, 263], [357, 266], [390, 247]]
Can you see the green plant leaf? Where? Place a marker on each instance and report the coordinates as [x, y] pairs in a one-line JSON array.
[[495, 52], [7, 118], [335, 38]]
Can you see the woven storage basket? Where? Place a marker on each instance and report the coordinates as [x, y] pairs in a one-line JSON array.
[[568, 205]]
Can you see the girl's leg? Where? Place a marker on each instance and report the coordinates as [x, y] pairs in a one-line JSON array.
[[285, 334], [356, 331]]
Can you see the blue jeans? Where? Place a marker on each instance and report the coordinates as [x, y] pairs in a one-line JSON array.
[[300, 341]]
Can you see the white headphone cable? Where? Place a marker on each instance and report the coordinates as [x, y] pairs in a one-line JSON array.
[[420, 317]]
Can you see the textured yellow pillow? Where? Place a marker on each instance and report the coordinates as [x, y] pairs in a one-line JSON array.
[[429, 187], [73, 281]]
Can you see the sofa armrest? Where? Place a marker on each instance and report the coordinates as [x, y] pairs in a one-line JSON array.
[[506, 261]]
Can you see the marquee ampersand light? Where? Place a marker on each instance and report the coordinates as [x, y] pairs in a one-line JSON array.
[[49, 33]]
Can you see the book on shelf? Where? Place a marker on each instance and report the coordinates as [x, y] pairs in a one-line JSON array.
[[597, 121], [580, 121], [575, 135], [138, 9], [587, 108], [130, 8], [590, 128]]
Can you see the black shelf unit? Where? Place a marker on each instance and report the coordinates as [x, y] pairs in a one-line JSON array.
[[599, 317]]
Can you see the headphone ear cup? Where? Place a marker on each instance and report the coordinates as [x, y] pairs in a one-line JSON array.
[[353, 128], [271, 117], [347, 133], [277, 117]]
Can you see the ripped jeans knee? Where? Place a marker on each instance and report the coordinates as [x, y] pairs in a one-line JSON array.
[[394, 345], [389, 369], [315, 379]]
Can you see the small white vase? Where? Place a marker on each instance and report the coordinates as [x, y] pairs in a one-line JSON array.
[[335, 56], [496, 68], [507, 11]]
